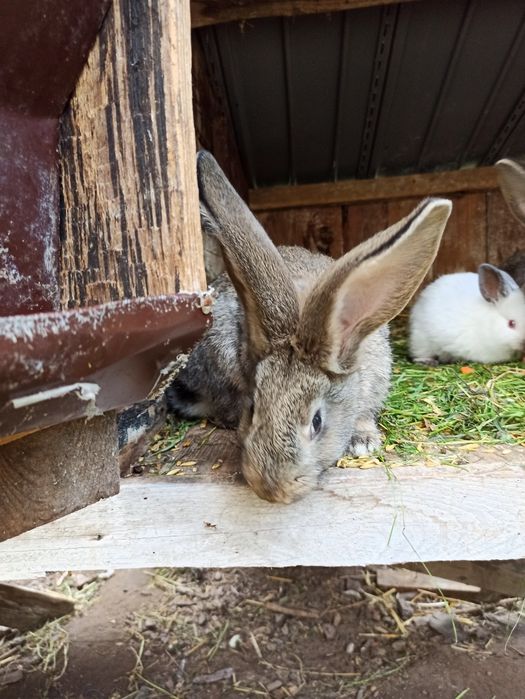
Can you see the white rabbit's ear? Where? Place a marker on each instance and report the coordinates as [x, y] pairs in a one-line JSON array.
[[494, 283], [254, 264], [368, 287], [511, 177]]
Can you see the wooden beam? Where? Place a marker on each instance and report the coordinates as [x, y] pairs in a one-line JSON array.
[[131, 224], [403, 579], [380, 188], [355, 517], [23, 608], [206, 12], [502, 577], [51, 473]]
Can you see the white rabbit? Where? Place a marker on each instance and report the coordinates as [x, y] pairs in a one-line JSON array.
[[467, 316]]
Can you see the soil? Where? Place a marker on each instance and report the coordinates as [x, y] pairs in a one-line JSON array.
[[301, 632]]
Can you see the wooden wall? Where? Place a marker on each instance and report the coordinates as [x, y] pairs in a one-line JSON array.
[[480, 228]]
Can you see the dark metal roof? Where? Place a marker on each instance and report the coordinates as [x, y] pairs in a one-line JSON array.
[[413, 87]]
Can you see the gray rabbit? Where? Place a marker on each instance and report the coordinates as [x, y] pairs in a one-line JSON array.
[[511, 177], [298, 354]]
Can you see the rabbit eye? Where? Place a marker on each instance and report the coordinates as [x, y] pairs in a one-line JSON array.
[[512, 323], [317, 422]]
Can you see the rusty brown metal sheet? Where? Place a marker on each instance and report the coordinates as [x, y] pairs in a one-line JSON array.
[[61, 366], [42, 52]]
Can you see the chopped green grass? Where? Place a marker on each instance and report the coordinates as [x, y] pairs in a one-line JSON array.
[[444, 406]]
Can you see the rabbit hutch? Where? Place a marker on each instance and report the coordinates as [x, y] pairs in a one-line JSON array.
[[332, 119]]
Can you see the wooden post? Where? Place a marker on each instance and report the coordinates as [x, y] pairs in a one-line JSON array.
[[130, 215]]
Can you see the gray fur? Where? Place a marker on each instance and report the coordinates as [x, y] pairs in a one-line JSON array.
[[288, 341]]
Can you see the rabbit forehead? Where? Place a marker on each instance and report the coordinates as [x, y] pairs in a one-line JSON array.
[[513, 306], [286, 387]]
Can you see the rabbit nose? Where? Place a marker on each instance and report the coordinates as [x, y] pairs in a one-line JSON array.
[[264, 488]]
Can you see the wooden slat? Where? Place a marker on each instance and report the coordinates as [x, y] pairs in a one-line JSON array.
[[381, 188], [502, 577], [356, 517], [206, 12], [317, 229], [464, 243], [131, 223], [403, 579], [361, 221], [51, 473], [23, 608], [504, 234]]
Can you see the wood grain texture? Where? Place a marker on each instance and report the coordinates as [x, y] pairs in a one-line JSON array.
[[504, 233], [56, 471], [502, 577], [355, 517], [464, 243], [213, 122], [403, 579], [24, 609], [130, 216], [361, 221], [317, 229], [352, 191], [206, 12]]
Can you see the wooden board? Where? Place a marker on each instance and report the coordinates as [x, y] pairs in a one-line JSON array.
[[355, 517], [464, 243], [501, 577], [317, 229], [504, 233], [23, 608], [381, 188], [53, 472], [206, 12], [130, 224]]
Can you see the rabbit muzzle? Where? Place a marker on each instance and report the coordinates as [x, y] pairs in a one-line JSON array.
[[273, 488]]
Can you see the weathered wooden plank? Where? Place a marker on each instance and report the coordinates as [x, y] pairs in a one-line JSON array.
[[403, 579], [504, 234], [464, 243], [352, 191], [56, 471], [205, 12], [130, 213], [502, 577], [40, 65], [23, 608], [361, 221], [317, 229], [355, 517]]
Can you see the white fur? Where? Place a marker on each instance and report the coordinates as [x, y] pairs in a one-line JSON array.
[[452, 321]]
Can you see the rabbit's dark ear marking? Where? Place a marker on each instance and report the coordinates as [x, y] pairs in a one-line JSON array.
[[511, 177], [369, 286], [254, 264], [494, 283]]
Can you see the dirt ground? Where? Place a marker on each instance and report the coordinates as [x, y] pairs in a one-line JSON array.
[[301, 632]]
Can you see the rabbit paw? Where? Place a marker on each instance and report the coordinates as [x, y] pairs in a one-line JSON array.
[[426, 361], [365, 440]]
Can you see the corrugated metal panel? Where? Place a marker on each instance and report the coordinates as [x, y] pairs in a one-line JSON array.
[[383, 90]]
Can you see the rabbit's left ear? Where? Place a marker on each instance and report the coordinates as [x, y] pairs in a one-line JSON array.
[[368, 287], [494, 283], [511, 177], [254, 264]]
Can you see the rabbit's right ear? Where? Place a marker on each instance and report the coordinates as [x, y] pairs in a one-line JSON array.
[[494, 283], [254, 264], [511, 177], [368, 286]]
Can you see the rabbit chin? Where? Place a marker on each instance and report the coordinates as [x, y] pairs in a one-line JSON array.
[[277, 487]]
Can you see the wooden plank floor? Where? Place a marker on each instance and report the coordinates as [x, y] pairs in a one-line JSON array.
[[207, 518]]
